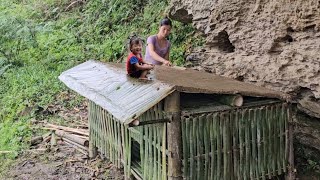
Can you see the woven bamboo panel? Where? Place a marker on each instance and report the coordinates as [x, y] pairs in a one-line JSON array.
[[245, 143]]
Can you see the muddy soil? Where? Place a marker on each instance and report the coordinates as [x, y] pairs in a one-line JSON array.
[[59, 163]]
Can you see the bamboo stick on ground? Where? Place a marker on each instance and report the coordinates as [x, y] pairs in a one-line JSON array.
[[68, 129], [77, 148], [76, 144], [73, 138]]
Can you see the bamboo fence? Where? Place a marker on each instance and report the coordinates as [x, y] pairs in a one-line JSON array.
[[240, 143], [244, 143]]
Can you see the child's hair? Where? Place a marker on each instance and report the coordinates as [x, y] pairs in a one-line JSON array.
[[165, 21], [134, 40]]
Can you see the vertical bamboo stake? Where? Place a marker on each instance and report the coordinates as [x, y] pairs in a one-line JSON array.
[[146, 158], [187, 150], [272, 140], [247, 145], [192, 152], [219, 147], [269, 144], [206, 146], [197, 147], [172, 106], [241, 144], [150, 163], [235, 122], [282, 137], [212, 127], [154, 151], [159, 150], [225, 124], [164, 157], [259, 134], [278, 136], [291, 174], [201, 146], [264, 143], [126, 155], [254, 164], [184, 146]]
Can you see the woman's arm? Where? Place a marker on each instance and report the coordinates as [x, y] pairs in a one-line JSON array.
[[155, 56]]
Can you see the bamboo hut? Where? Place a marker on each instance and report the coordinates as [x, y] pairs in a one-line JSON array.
[[184, 124]]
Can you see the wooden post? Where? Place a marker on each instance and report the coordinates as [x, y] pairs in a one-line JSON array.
[[93, 151], [172, 108]]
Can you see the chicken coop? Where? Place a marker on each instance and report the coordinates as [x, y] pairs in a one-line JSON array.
[[184, 124]]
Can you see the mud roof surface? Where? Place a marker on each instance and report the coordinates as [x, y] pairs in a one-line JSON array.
[[192, 81], [127, 98]]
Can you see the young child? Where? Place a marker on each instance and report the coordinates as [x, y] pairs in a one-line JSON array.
[[136, 66]]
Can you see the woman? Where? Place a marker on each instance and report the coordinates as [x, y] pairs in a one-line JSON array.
[[158, 47]]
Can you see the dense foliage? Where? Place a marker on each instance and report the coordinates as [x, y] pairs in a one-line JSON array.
[[41, 38]]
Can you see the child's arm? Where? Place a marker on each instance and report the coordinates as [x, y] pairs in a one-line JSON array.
[[143, 66]]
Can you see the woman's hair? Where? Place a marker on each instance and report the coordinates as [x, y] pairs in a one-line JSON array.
[[134, 40], [165, 21]]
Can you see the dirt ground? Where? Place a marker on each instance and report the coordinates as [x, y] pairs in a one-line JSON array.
[[59, 163]]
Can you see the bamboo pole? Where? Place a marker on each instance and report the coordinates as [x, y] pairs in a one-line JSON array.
[[164, 157], [219, 146], [187, 150], [172, 106], [146, 148], [192, 151], [259, 134], [68, 129], [206, 146], [291, 174], [70, 137], [235, 123], [253, 164], [184, 145], [224, 123], [212, 119], [282, 137], [247, 145]]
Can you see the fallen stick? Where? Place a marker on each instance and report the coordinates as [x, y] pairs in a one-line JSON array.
[[68, 129], [77, 148], [36, 140], [81, 136], [73, 138], [76, 144]]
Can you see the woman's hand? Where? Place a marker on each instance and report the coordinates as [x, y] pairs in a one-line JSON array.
[[167, 63]]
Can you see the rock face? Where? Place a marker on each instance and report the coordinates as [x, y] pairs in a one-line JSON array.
[[272, 43]]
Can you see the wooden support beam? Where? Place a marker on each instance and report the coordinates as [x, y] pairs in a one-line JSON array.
[[172, 108]]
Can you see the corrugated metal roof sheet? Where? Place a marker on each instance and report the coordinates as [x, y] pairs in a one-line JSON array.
[[109, 87]]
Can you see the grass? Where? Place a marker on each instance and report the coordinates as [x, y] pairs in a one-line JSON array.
[[41, 39]]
